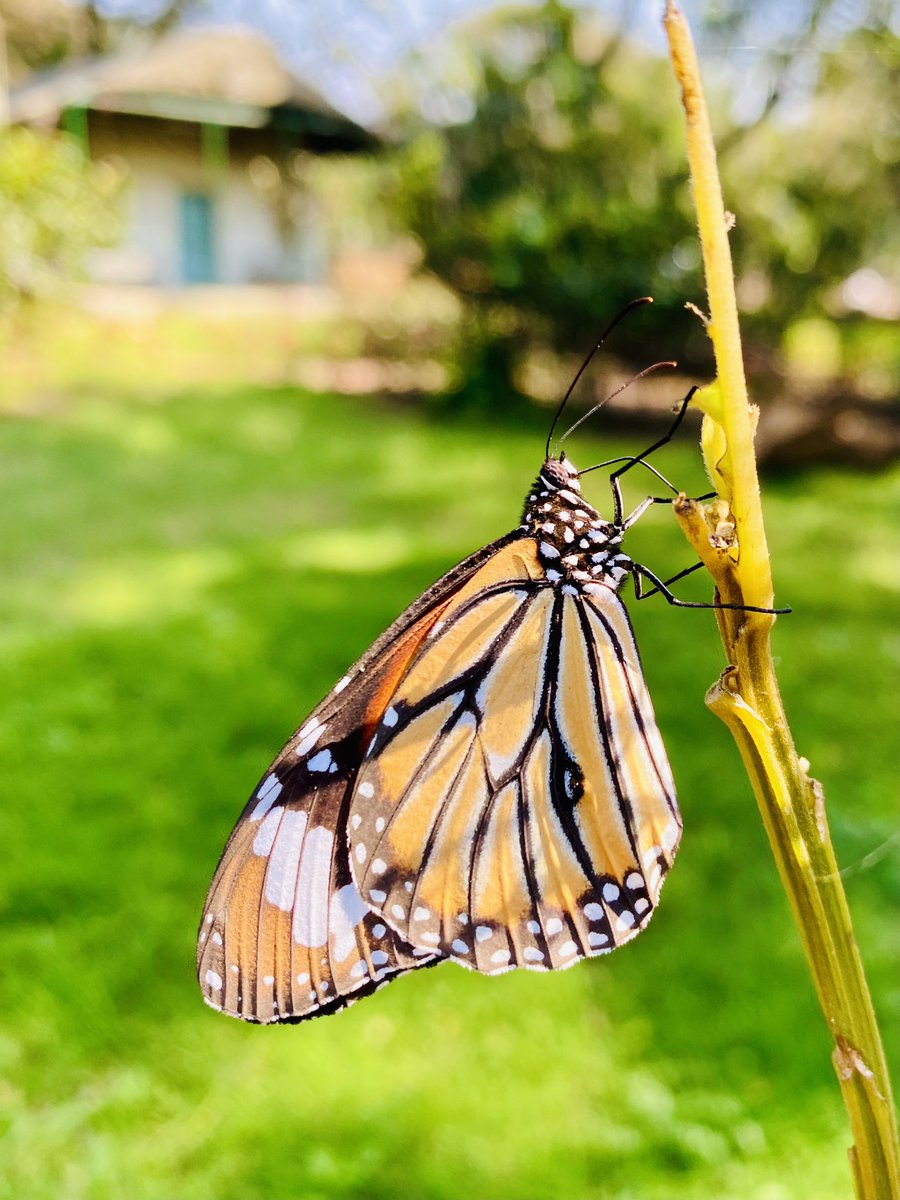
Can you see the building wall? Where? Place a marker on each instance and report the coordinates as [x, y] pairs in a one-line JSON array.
[[247, 241]]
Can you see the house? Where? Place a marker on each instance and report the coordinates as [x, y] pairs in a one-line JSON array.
[[208, 125]]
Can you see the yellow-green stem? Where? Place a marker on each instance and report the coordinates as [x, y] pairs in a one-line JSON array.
[[747, 697]]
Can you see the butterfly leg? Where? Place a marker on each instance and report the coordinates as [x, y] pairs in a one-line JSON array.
[[639, 573], [628, 521], [672, 579], [639, 458]]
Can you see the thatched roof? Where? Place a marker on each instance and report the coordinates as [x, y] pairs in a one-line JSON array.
[[222, 76]]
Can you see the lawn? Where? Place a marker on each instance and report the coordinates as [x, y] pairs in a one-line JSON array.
[[186, 572]]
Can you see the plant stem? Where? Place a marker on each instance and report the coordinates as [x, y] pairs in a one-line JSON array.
[[747, 697]]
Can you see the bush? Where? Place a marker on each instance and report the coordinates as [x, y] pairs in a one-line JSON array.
[[55, 206]]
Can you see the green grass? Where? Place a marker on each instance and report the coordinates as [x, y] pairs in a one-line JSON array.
[[185, 574]]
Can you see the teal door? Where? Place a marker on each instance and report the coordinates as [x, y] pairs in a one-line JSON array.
[[198, 260]]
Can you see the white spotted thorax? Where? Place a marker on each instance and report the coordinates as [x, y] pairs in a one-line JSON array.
[[575, 544]]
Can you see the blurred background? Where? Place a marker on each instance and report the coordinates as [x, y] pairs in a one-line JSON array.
[[287, 294]]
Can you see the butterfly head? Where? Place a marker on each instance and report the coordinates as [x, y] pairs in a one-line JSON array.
[[559, 473]]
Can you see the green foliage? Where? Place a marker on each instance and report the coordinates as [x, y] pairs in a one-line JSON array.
[[818, 200], [555, 204], [565, 196], [187, 571], [55, 207]]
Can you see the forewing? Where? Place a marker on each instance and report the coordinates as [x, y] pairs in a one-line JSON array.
[[285, 933], [515, 807]]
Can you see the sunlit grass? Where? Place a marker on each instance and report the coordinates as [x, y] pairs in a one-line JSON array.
[[186, 572]]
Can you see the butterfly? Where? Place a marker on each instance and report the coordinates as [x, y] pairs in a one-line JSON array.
[[487, 784]]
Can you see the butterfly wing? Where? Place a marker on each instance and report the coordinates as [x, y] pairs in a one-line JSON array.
[[284, 933], [515, 807]]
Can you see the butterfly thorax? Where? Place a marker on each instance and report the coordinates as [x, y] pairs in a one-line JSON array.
[[575, 544]]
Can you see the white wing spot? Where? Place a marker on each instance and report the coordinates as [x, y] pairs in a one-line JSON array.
[[625, 921], [217, 938], [420, 952], [366, 790], [463, 918], [324, 985], [549, 551], [342, 683], [634, 880], [408, 885], [567, 949], [209, 918], [593, 912], [379, 866], [554, 925], [532, 954], [483, 932], [377, 895], [421, 914], [533, 927], [500, 956], [346, 911], [281, 873], [234, 968], [360, 853], [303, 977], [358, 969], [320, 762], [265, 836], [306, 743], [310, 900], [430, 937], [597, 939], [610, 892], [390, 717], [356, 821], [379, 957], [268, 980], [214, 980], [379, 824], [642, 905], [269, 791], [397, 912], [459, 946], [379, 931]]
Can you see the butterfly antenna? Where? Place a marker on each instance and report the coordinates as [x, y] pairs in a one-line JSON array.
[[627, 384], [584, 366]]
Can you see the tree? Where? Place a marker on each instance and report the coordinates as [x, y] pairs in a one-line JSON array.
[[563, 196], [55, 207]]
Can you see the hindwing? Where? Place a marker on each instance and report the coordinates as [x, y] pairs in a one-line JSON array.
[[515, 806]]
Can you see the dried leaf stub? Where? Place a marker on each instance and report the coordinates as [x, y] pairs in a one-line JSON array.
[[848, 1061], [721, 524]]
